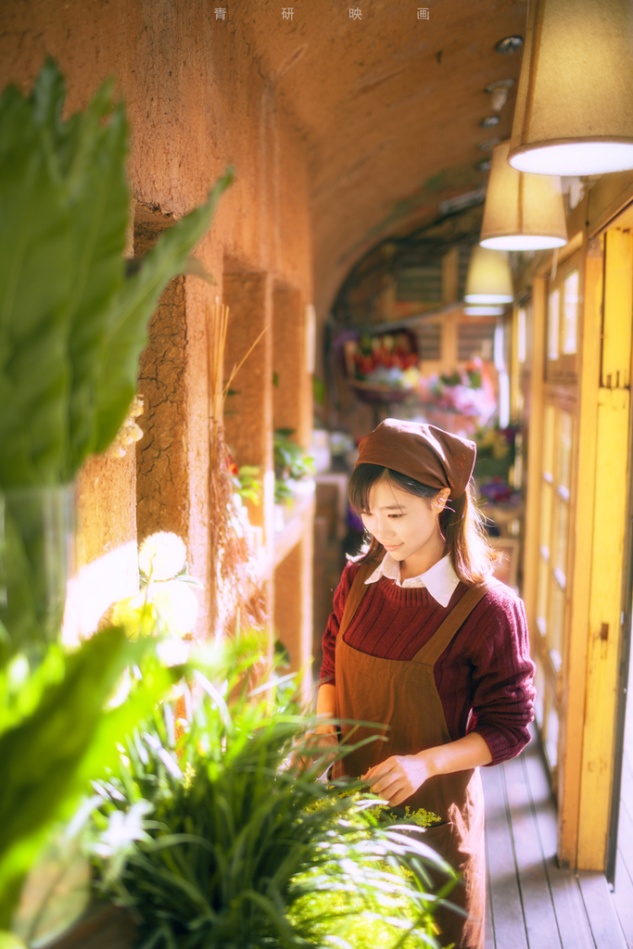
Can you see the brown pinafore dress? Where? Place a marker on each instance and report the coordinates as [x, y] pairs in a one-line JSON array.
[[403, 695]]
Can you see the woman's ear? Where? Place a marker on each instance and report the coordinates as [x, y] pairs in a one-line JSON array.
[[441, 498]]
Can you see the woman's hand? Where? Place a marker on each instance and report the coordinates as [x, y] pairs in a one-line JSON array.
[[319, 745], [400, 776], [397, 778]]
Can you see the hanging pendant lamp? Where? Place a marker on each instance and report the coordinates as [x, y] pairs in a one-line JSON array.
[[574, 109], [483, 309], [489, 279], [522, 211]]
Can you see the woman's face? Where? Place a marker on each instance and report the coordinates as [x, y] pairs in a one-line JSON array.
[[407, 526]]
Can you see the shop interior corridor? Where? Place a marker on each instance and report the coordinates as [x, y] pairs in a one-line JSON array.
[[378, 223]]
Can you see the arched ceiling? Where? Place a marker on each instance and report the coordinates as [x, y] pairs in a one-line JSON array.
[[391, 106]]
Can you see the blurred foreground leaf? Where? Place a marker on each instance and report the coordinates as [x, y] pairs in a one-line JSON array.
[[73, 320], [56, 734]]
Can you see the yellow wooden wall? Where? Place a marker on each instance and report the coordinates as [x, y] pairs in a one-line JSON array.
[[600, 402]]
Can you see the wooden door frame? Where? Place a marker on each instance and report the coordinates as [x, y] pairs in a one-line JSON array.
[[588, 711]]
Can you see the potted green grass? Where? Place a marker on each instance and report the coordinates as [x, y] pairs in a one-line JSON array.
[[241, 849]]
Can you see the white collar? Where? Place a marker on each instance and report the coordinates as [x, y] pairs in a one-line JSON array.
[[440, 579]]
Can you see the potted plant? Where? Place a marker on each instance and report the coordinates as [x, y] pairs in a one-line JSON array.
[[238, 846]]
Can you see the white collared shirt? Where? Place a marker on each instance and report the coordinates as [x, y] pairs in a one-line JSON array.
[[440, 579]]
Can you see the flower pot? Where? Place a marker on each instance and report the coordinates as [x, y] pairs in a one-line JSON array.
[[37, 552]]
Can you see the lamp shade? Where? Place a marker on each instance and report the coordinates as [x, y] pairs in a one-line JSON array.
[[522, 211], [574, 108], [489, 279], [483, 309]]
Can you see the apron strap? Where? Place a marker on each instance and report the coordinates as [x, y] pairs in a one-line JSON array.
[[433, 649], [356, 593]]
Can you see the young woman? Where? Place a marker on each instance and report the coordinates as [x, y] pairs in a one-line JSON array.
[[423, 640]]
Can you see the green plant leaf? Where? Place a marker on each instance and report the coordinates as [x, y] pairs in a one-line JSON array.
[[99, 219], [36, 270], [137, 299], [72, 323], [54, 737]]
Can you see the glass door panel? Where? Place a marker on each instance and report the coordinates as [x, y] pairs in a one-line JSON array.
[[553, 326], [564, 456], [555, 624], [556, 481], [553, 436], [561, 527], [548, 440], [570, 313]]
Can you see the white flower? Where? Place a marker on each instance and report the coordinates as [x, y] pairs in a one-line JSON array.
[[124, 829], [177, 605], [162, 556], [173, 652]]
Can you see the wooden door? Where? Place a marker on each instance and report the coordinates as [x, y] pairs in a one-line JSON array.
[[576, 389]]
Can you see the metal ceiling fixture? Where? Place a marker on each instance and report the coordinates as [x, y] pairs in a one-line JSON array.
[[499, 93], [509, 44]]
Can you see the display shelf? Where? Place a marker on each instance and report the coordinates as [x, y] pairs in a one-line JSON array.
[[297, 519]]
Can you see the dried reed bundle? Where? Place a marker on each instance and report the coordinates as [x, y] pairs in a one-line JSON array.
[[234, 588]]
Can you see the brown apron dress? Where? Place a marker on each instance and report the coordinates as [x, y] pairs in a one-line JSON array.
[[403, 695]]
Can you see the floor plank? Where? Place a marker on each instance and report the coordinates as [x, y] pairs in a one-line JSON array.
[[573, 927], [506, 910], [623, 881], [540, 917], [623, 896], [603, 919], [532, 902]]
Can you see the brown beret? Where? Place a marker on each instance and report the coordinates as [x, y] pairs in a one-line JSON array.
[[423, 452]]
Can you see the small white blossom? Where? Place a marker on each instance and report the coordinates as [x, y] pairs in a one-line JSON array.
[[162, 556], [124, 829]]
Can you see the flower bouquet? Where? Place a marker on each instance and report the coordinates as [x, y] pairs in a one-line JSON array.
[[382, 367], [463, 391], [459, 401]]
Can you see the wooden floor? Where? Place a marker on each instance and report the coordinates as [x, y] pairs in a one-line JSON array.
[[624, 855], [532, 903]]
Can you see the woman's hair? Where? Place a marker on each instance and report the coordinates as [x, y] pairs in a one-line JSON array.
[[461, 522]]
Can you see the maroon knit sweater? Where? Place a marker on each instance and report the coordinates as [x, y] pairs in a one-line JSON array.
[[484, 677]]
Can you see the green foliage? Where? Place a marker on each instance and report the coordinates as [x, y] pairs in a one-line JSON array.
[[240, 848], [319, 390], [35, 543], [291, 462], [72, 319], [381, 898], [248, 483], [56, 734]]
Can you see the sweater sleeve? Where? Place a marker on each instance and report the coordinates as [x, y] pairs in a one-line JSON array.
[[328, 643], [503, 672]]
